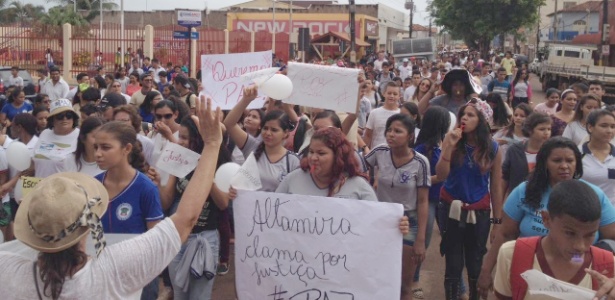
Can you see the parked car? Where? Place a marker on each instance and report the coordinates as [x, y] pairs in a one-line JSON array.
[[535, 66], [28, 82]]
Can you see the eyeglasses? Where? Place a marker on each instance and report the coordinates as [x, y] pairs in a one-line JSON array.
[[65, 115], [166, 116]]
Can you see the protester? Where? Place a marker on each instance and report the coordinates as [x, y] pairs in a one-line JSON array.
[[146, 109], [83, 160], [471, 164], [577, 129], [375, 128], [599, 153], [457, 86], [128, 114], [16, 104], [119, 271], [513, 133], [558, 160], [408, 173], [549, 106], [566, 114]]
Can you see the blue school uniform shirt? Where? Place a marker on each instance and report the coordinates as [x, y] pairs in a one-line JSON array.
[[465, 182], [530, 220], [434, 190], [132, 208], [146, 117], [11, 111]]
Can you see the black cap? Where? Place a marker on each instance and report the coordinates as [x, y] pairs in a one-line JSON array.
[[111, 100]]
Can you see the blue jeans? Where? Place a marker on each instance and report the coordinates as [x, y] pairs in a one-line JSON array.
[[198, 288], [150, 291]]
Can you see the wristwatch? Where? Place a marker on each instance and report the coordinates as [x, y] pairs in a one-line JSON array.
[[495, 221]]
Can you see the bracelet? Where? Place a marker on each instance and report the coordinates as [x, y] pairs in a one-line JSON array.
[[445, 159], [495, 221]]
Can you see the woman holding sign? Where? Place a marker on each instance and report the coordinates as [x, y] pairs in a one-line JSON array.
[[405, 179], [206, 227], [273, 160]]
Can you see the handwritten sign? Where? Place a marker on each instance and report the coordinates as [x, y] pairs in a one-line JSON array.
[[551, 288], [325, 87], [305, 247], [222, 74], [248, 176], [177, 160], [24, 186]]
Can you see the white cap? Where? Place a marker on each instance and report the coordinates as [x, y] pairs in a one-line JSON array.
[[405, 60]]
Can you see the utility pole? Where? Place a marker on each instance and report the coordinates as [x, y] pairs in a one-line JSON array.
[[538, 30], [352, 9], [429, 26], [410, 5], [555, 22], [605, 32], [273, 30]]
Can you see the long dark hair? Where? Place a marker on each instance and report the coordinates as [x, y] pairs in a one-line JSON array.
[[436, 122], [284, 122], [527, 110], [89, 124], [196, 143], [518, 77], [538, 181], [414, 110], [125, 134], [15, 93], [56, 267], [500, 114], [147, 106], [578, 113], [483, 154]]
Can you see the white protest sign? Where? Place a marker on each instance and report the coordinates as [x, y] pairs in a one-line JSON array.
[[550, 288], [325, 87], [306, 247], [222, 73], [177, 160], [248, 177]]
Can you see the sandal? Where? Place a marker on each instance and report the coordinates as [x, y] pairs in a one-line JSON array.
[[418, 293]]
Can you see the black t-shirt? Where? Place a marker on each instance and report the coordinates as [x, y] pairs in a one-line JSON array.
[[210, 215]]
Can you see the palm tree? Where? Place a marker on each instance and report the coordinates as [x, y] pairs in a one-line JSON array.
[[17, 11], [91, 7]]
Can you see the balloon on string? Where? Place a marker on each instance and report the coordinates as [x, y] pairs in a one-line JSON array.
[[224, 174], [277, 87], [18, 156]]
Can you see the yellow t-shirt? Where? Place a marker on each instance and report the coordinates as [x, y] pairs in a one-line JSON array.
[[501, 282], [508, 64]]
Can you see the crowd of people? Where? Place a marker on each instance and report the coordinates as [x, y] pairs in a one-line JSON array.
[[458, 142]]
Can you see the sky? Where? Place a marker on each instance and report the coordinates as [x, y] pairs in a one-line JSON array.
[[420, 16]]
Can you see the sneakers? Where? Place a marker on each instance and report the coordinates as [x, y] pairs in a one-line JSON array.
[[222, 268]]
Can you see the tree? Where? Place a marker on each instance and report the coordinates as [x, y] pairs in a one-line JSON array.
[[90, 7], [477, 22], [16, 11]]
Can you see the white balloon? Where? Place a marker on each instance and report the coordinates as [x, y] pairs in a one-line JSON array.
[[224, 174], [278, 87], [18, 155]]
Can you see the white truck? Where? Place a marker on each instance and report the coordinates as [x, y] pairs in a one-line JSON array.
[[420, 48], [566, 64]]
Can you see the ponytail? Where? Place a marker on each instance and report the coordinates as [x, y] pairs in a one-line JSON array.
[[56, 267], [136, 158]]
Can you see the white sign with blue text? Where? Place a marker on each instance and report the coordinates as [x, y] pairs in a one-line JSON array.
[[306, 247]]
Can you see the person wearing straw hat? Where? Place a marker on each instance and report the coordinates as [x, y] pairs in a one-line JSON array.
[[56, 217]]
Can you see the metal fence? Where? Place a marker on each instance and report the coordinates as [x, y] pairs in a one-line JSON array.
[[26, 46]]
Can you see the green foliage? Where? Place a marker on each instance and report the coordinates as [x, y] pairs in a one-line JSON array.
[[89, 8], [477, 22], [16, 11]]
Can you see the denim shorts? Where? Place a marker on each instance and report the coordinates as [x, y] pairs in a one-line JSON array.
[[414, 227]]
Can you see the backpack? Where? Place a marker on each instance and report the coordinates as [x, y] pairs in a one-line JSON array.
[[523, 260], [188, 99]]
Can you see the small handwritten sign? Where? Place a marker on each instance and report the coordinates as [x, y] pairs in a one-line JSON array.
[[327, 87], [24, 186], [248, 177], [551, 288], [177, 160], [305, 247], [222, 76]]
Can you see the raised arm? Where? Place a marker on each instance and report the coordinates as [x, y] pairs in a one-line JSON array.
[[238, 135], [443, 167], [192, 201]]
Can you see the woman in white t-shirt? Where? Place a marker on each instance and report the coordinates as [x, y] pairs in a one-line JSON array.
[[599, 153], [58, 141], [83, 160], [576, 130], [513, 133], [273, 160], [166, 130], [56, 217], [549, 107]]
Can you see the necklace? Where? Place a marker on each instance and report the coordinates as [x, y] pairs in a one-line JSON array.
[[470, 161]]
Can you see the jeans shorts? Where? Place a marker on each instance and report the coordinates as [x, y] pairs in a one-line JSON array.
[[414, 227]]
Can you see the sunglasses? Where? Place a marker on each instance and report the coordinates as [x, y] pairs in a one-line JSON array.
[[165, 116], [64, 115]]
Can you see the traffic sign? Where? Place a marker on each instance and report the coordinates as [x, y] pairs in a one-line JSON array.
[[189, 18], [184, 35]]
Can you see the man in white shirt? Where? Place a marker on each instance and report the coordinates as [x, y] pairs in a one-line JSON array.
[[15, 80], [147, 84], [135, 67], [405, 69], [56, 88], [378, 62], [81, 79], [156, 69], [409, 91]]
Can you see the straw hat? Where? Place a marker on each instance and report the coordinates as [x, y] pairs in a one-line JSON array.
[[61, 210], [60, 106]]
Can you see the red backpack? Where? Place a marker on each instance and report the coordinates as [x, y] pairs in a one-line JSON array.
[[523, 260]]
